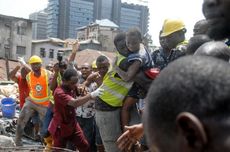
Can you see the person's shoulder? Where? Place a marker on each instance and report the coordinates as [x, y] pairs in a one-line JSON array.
[[58, 90]]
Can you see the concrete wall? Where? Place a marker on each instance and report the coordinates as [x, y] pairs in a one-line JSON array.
[[36, 47], [14, 33]]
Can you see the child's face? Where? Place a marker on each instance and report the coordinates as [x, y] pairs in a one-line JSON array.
[[133, 43]]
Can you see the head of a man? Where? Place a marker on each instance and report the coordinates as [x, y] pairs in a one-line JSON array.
[[216, 49], [86, 70], [120, 44], [173, 32], [36, 63], [200, 27], [133, 39], [195, 42], [103, 64], [50, 67], [188, 107], [62, 66], [70, 78], [218, 16]]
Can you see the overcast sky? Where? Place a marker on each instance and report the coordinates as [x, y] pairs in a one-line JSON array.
[[187, 10]]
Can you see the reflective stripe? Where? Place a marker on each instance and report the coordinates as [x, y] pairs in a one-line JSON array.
[[114, 93], [45, 93], [119, 58], [115, 89], [59, 79], [39, 99], [127, 85]]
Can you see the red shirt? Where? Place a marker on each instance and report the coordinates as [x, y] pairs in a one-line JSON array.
[[23, 90], [63, 113]]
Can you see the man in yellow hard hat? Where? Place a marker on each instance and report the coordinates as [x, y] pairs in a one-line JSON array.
[[172, 41], [173, 31], [39, 95]]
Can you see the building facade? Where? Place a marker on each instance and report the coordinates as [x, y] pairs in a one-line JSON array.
[[47, 49], [65, 16], [133, 15], [39, 25], [15, 37], [101, 31]]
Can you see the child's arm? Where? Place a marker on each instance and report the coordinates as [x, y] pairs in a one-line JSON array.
[[131, 72]]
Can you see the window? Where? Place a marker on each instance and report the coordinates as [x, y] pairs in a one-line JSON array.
[[21, 30], [21, 50], [51, 53], [42, 52]]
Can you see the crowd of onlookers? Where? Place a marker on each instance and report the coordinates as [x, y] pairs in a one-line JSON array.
[[174, 98]]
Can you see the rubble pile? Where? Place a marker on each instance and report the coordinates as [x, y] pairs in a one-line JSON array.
[[8, 126]]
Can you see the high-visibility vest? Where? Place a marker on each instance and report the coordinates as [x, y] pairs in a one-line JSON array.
[[115, 89], [59, 82], [182, 46], [40, 92]]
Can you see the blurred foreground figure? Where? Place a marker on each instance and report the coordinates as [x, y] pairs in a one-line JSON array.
[[190, 113], [217, 14]]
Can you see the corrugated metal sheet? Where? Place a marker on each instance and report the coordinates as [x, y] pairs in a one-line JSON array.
[[89, 56]]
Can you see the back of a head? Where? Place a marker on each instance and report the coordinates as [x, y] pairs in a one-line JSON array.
[[201, 27], [101, 59], [196, 84], [68, 74], [216, 49], [195, 42]]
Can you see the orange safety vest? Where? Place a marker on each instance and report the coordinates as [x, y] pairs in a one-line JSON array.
[[39, 90]]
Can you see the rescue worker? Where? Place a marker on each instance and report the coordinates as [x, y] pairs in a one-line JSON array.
[[39, 96], [172, 41], [108, 105], [174, 33]]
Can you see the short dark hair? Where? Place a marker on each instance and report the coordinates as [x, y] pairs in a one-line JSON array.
[[195, 42], [196, 84], [101, 59], [216, 49], [134, 32], [68, 74]]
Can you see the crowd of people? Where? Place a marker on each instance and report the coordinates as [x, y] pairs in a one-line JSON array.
[[174, 98]]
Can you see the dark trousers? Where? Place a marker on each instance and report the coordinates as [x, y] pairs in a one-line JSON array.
[[88, 125], [78, 139]]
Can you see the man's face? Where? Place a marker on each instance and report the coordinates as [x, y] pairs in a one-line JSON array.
[[36, 67], [174, 39], [103, 67], [122, 48], [218, 16], [86, 70]]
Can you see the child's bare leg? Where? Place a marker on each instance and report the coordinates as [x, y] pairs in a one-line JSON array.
[[125, 112]]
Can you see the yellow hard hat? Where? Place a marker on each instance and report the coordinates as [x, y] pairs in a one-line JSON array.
[[172, 25], [94, 65], [35, 59]]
